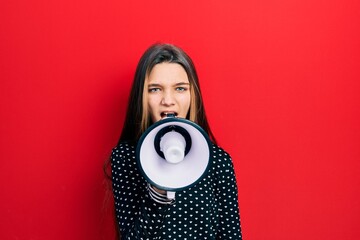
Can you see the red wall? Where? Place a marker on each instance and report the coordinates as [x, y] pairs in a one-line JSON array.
[[281, 85]]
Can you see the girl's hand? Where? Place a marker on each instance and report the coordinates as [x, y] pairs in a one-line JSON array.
[[163, 192]]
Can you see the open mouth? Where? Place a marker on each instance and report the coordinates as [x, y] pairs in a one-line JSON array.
[[168, 114]]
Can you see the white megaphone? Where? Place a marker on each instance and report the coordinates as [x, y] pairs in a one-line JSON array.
[[173, 154]]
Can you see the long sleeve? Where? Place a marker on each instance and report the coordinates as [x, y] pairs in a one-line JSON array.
[[227, 194], [139, 217]]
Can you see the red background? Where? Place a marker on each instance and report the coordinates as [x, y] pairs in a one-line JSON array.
[[281, 85]]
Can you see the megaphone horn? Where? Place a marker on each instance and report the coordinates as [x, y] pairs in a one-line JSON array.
[[173, 154]]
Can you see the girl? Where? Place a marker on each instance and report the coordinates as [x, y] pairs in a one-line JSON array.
[[166, 82]]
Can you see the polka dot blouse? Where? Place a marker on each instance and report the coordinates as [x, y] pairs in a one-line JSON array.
[[207, 210]]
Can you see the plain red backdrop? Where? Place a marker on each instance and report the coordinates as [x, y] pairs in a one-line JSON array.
[[281, 85]]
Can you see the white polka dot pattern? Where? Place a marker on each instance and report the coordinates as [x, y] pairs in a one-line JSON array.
[[207, 210]]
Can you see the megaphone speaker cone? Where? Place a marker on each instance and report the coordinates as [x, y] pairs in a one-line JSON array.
[[173, 144]]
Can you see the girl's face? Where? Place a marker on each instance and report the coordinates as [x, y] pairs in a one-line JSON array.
[[168, 91]]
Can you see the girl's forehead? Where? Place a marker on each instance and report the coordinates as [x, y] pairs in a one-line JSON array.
[[167, 72]]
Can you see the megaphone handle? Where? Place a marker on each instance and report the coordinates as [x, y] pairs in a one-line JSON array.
[[170, 195]]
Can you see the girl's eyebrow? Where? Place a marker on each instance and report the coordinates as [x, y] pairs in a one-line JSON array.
[[182, 83], [154, 85], [159, 85]]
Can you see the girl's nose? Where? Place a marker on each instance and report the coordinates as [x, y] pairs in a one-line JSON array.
[[167, 99]]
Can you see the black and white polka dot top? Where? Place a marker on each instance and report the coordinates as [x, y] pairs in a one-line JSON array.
[[207, 210]]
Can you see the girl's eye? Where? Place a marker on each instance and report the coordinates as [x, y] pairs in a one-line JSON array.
[[154, 90], [181, 89]]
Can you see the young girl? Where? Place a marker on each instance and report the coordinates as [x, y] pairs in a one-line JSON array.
[[166, 82]]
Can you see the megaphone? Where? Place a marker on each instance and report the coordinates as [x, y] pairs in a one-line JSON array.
[[173, 154]]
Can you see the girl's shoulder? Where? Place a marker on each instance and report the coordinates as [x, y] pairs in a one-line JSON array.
[[123, 147], [221, 159], [123, 150], [218, 151], [123, 157]]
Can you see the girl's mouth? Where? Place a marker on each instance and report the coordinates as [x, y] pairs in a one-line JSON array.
[[168, 114]]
